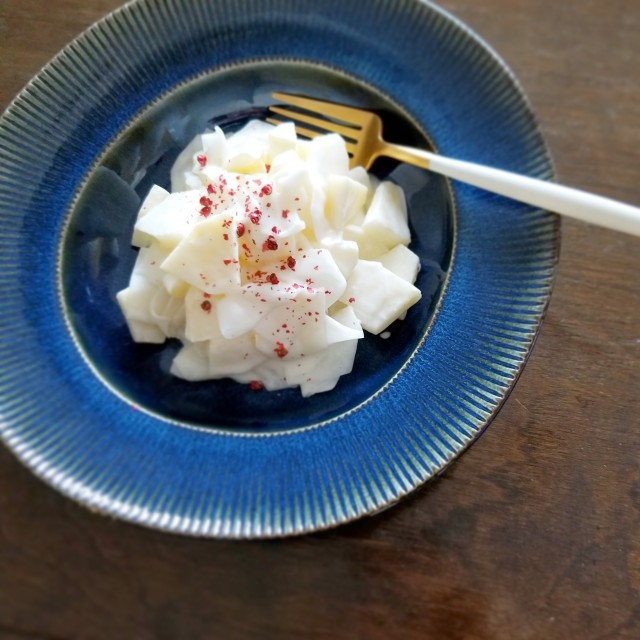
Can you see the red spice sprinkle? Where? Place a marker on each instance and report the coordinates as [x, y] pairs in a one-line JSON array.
[[206, 202], [256, 385], [227, 262], [255, 216], [275, 229], [205, 211], [280, 350], [352, 300], [211, 188], [291, 262], [205, 305], [225, 236], [273, 278], [206, 295], [266, 190], [240, 230], [270, 244], [202, 159], [285, 213]]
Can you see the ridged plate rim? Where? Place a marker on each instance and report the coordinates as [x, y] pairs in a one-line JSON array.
[[348, 487]]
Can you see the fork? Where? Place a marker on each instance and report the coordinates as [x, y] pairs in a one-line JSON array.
[[362, 131]]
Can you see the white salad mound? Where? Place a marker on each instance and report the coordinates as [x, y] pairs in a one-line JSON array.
[[268, 260]]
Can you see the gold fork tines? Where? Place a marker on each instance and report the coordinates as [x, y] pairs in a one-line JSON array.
[[350, 115], [356, 126], [361, 130], [325, 126]]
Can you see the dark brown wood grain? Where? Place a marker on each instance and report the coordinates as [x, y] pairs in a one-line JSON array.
[[533, 533]]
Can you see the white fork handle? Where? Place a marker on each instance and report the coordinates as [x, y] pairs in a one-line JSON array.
[[539, 193]]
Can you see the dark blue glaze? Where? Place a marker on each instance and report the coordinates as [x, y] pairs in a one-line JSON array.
[[98, 258], [80, 147]]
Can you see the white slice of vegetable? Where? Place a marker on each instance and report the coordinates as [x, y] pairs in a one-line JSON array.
[[246, 149], [302, 148], [347, 317], [240, 311], [168, 313], [233, 357], [344, 252], [266, 245], [246, 163], [145, 332], [269, 372], [175, 286], [155, 196], [135, 300], [403, 262], [192, 362], [280, 139], [316, 269], [386, 218], [201, 316], [320, 225], [254, 132], [345, 198], [370, 245], [294, 328], [338, 332], [208, 257], [321, 371], [378, 296], [361, 175], [285, 161], [214, 148], [173, 219], [183, 166], [292, 189], [148, 263], [328, 155]]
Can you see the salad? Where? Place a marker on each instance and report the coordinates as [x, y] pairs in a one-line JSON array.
[[269, 259]]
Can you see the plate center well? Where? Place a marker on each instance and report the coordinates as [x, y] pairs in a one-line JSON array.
[[98, 258]]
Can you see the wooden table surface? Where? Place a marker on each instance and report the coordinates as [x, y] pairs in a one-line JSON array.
[[533, 533]]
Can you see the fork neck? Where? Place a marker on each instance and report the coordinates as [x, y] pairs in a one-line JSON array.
[[410, 155]]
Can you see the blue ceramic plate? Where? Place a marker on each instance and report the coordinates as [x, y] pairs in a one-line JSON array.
[[100, 419]]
